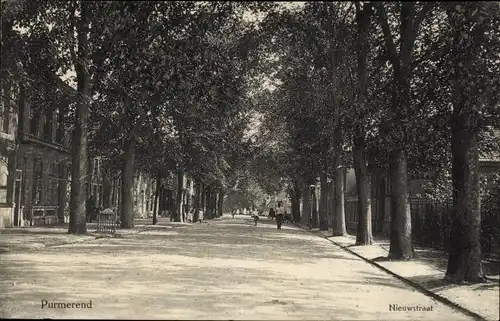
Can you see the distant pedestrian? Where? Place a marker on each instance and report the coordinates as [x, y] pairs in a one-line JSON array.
[[190, 216], [272, 213], [280, 212], [255, 215], [233, 212], [200, 215]]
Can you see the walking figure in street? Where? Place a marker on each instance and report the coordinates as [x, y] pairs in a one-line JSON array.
[[200, 215], [272, 213], [255, 215], [190, 216], [280, 211]]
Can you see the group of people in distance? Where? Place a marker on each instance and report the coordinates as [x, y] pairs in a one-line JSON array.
[[279, 213], [195, 215], [253, 213]]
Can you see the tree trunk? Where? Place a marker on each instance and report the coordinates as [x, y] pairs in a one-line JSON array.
[[306, 206], [314, 209], [185, 209], [157, 195], [208, 202], [127, 204], [214, 203], [202, 198], [221, 202], [464, 264], [77, 217], [180, 196], [364, 234], [402, 63], [173, 204], [199, 196], [196, 196], [363, 180], [323, 206], [296, 201], [339, 224], [381, 201], [189, 196], [401, 247], [118, 194], [331, 202]]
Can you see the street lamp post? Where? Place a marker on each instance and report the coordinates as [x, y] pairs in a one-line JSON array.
[[329, 203]]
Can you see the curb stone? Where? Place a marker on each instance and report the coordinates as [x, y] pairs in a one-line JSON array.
[[409, 282]]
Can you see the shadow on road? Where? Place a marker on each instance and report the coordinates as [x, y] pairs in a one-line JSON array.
[[203, 271]]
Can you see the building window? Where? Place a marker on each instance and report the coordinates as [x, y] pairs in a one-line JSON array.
[[38, 104], [37, 181], [55, 124], [95, 168], [95, 193], [32, 120], [4, 175], [60, 126], [9, 95], [53, 184], [47, 127]]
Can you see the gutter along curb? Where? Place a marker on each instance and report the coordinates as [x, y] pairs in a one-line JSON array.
[[407, 281]]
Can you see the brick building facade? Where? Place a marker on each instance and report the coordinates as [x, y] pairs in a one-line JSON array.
[[8, 148]]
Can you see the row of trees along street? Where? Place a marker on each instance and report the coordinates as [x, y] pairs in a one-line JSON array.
[[409, 87]]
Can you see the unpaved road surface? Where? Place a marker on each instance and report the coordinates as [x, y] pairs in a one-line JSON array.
[[227, 269]]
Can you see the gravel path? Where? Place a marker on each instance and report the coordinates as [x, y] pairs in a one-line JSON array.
[[227, 269]]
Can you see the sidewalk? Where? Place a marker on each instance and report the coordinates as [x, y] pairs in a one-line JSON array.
[[426, 273], [33, 238]]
